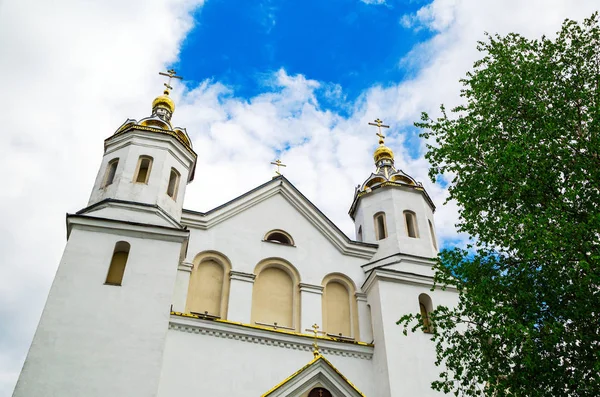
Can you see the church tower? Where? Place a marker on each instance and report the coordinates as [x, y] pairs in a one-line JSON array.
[[103, 329], [392, 209]]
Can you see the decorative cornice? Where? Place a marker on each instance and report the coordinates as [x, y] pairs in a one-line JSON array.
[[359, 194], [126, 227], [398, 258], [186, 267], [360, 296], [311, 288], [266, 336], [123, 138], [396, 276], [134, 206], [241, 276]]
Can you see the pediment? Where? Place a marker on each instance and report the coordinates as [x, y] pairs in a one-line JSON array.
[[318, 373], [280, 186]]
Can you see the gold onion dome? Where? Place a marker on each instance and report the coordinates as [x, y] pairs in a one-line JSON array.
[[164, 101], [382, 153]]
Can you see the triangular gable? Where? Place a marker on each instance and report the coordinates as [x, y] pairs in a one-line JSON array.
[[280, 185], [319, 372]]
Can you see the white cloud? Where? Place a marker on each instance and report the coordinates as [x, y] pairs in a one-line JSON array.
[[373, 1], [73, 71]]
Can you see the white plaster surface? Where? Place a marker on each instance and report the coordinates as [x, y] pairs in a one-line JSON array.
[[102, 340], [222, 367], [394, 201], [166, 152]]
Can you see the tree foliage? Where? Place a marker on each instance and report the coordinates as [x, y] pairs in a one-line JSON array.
[[524, 154]]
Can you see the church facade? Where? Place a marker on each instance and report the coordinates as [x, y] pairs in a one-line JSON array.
[[261, 296]]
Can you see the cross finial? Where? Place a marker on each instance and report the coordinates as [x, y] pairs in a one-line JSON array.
[[379, 124], [171, 75], [278, 163], [315, 344]]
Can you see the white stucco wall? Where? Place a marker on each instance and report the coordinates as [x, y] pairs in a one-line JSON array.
[[394, 201], [239, 238], [409, 360], [102, 340], [223, 367], [166, 152]]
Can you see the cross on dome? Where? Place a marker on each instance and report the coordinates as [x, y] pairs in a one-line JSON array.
[[163, 106], [379, 124], [171, 74], [278, 163]]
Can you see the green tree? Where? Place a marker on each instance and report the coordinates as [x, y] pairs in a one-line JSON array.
[[524, 154]]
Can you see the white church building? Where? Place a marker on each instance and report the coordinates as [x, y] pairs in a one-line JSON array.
[[151, 299]]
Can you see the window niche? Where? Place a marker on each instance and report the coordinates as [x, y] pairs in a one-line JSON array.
[[340, 311], [111, 170], [410, 219], [425, 308], [118, 261], [278, 236], [208, 289], [142, 173], [275, 295], [173, 186], [380, 226], [432, 232]]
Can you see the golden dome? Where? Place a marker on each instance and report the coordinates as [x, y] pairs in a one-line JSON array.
[[383, 152], [164, 101]]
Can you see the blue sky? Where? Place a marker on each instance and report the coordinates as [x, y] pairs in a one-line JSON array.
[[340, 42]]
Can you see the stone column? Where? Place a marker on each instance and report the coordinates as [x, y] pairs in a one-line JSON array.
[[365, 327], [182, 283], [311, 306], [240, 296]]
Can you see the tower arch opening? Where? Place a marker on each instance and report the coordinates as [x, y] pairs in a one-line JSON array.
[[116, 270], [380, 226], [425, 309], [410, 220]]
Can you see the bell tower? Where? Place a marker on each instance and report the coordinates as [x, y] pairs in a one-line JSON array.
[[393, 210], [103, 329], [390, 208], [146, 164]]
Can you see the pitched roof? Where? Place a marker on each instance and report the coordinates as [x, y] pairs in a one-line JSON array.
[[319, 359], [280, 185]]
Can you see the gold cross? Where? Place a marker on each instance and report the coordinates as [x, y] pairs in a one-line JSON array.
[[315, 329], [278, 163], [171, 75], [379, 125]]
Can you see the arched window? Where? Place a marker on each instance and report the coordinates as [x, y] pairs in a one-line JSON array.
[[279, 237], [173, 184], [319, 392], [380, 226], [117, 263], [206, 288], [359, 236], [142, 173], [111, 170], [432, 235], [275, 295], [425, 308], [410, 219], [340, 311]]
